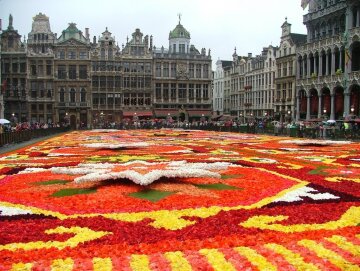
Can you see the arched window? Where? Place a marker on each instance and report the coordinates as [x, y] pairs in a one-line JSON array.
[[83, 95], [72, 95], [110, 54], [62, 95]]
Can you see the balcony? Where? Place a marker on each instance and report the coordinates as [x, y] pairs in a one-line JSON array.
[[72, 105]]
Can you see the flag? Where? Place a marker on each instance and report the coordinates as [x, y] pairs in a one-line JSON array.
[[305, 3]]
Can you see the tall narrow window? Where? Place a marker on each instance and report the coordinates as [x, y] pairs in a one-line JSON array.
[[72, 95], [83, 95]]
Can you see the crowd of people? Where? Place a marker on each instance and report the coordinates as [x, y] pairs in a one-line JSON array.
[[25, 126], [319, 129]]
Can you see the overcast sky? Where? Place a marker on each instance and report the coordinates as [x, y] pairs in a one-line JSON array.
[[216, 24]]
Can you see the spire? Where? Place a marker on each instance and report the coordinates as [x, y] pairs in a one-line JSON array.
[[10, 27], [179, 15]]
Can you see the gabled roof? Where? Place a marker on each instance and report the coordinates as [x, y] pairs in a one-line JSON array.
[[298, 39], [72, 32], [226, 63]]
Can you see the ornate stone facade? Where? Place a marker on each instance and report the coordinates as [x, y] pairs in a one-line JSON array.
[[13, 74], [87, 84], [328, 65], [182, 79]]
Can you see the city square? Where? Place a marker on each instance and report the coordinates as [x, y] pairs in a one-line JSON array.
[[191, 135]]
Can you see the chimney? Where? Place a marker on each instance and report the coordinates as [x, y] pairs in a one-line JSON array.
[[94, 40], [249, 54], [151, 42], [87, 35]]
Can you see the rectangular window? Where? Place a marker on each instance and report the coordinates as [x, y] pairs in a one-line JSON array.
[[198, 91], [279, 70], [126, 67], [173, 91], [290, 68], [102, 82], [126, 99], [198, 70], [147, 67], [284, 69], [15, 67], [102, 98], [95, 81], [206, 91], [166, 70], [40, 69], [133, 81], [117, 97], [110, 82], [147, 99], [182, 48], [61, 72], [140, 67], [147, 81], [83, 55], [32, 68], [95, 99], [61, 55], [182, 91], [191, 91], [22, 67], [206, 71], [83, 72], [110, 99], [126, 82], [72, 71], [158, 91], [166, 91], [158, 70], [133, 67], [173, 70], [48, 67], [191, 70], [140, 82], [72, 55], [117, 81]]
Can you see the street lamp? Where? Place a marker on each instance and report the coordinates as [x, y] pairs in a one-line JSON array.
[[352, 109]]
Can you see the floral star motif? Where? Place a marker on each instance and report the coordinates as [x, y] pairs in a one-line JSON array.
[[142, 172]]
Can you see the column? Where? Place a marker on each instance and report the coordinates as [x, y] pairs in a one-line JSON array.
[[332, 110], [347, 102], [327, 63], [333, 63], [341, 59], [308, 66], [358, 17], [308, 107], [298, 64], [320, 65], [304, 71], [177, 93], [319, 107], [162, 92]]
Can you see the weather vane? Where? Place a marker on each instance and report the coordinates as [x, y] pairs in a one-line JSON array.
[[179, 15]]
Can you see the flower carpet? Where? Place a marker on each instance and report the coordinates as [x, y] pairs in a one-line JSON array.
[[180, 200]]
